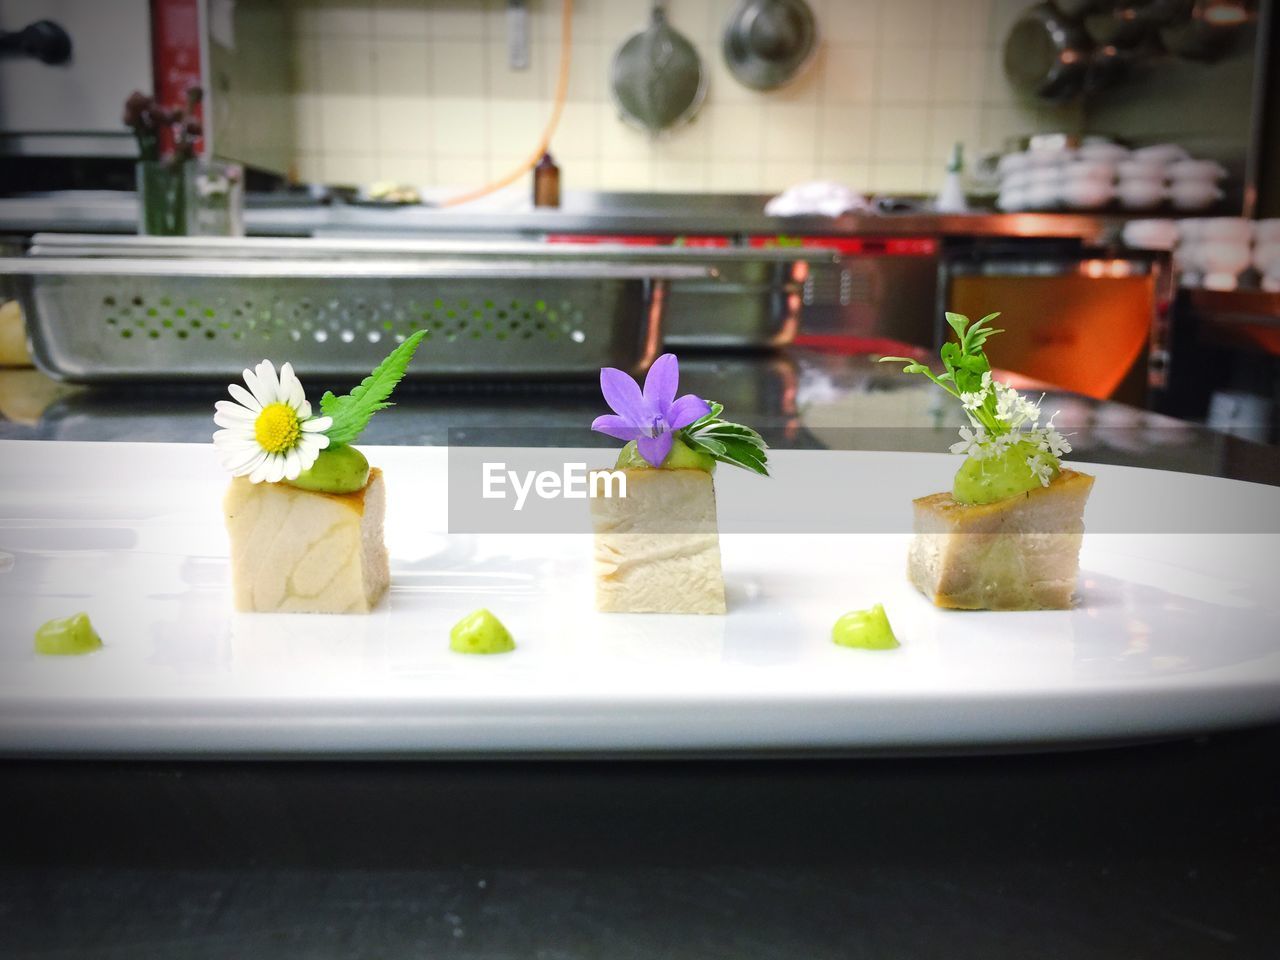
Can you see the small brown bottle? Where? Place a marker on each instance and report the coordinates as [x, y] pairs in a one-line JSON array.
[[546, 183]]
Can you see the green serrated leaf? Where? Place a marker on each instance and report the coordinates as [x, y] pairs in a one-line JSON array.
[[714, 414], [351, 413], [749, 457], [754, 448], [963, 359], [732, 443], [722, 430], [708, 446]]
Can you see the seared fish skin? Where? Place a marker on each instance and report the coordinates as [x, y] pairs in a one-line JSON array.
[[658, 550], [1020, 553], [298, 551]]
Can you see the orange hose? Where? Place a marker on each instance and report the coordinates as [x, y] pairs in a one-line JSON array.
[[562, 92]]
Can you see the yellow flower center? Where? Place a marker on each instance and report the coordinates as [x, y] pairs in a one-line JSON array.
[[277, 428]]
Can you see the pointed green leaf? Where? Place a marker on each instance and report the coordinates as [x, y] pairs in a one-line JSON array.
[[351, 413]]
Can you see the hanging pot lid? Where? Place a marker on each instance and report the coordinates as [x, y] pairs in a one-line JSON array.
[[767, 42], [657, 79]]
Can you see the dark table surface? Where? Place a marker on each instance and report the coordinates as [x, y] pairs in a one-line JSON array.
[[1166, 850], [801, 398]]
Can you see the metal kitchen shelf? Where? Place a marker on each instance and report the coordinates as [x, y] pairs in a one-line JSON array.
[[607, 213], [329, 249], [388, 268]]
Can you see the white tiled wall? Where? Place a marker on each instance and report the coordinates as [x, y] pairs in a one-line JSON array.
[[419, 91]]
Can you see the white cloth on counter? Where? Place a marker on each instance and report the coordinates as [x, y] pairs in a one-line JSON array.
[[823, 198]]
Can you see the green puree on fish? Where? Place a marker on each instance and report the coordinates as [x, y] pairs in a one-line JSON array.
[[67, 637], [1000, 475], [681, 457], [1007, 451], [342, 469]]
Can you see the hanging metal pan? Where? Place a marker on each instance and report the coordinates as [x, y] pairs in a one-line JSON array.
[[657, 80], [1047, 55], [768, 42]]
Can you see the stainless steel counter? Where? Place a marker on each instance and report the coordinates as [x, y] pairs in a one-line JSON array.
[[664, 214]]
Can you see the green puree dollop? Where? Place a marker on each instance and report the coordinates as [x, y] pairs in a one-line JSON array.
[[995, 478], [865, 629], [480, 632], [681, 457], [340, 469], [67, 637]]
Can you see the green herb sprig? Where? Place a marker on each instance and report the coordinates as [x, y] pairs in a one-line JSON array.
[[967, 376], [1002, 422], [351, 413], [731, 443]]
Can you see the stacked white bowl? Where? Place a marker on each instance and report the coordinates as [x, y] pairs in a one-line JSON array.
[[1143, 176], [1213, 252], [1032, 179], [1195, 184], [1088, 178], [1266, 253], [1094, 175], [1151, 234]]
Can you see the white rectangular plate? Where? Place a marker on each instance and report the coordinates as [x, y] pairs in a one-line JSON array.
[[1173, 634]]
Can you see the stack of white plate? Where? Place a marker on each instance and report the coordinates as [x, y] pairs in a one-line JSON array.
[[1215, 252], [1096, 175], [1266, 253], [1033, 179], [1151, 234]]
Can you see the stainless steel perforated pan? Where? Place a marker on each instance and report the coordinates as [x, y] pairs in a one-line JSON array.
[[736, 297], [96, 317]]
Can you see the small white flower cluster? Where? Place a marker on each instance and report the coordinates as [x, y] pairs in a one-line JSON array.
[[1021, 417]]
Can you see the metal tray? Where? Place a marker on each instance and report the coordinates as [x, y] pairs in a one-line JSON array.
[[751, 303], [94, 317], [748, 297]]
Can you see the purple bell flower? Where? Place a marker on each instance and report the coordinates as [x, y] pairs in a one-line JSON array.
[[649, 417]]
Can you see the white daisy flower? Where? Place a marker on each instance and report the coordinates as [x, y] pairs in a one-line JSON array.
[[269, 434], [971, 443]]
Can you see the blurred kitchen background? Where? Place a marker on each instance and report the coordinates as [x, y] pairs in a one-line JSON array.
[[740, 176]]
